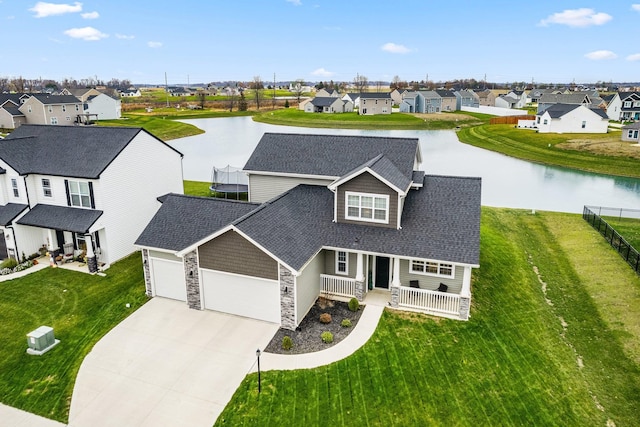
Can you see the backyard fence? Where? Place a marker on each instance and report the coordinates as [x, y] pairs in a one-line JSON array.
[[626, 251], [510, 120]]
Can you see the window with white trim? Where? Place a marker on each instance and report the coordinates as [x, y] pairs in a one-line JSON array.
[[432, 268], [584, 124], [636, 103], [342, 262], [14, 187], [79, 194], [367, 207], [46, 187], [54, 120], [627, 104]]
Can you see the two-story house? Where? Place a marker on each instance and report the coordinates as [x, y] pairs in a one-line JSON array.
[[339, 216], [372, 103], [44, 109], [448, 100], [10, 115], [93, 187], [624, 106]]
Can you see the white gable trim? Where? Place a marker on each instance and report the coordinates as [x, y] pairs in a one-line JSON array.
[[335, 184], [293, 175]]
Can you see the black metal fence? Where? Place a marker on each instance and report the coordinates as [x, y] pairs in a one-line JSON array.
[[617, 242]]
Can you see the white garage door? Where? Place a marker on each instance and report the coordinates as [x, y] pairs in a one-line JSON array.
[[241, 295], [168, 279]]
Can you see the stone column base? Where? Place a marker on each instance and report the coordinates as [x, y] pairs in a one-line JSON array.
[[395, 296], [360, 291], [465, 303]]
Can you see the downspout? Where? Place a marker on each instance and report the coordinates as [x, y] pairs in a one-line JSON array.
[[26, 190], [15, 242]]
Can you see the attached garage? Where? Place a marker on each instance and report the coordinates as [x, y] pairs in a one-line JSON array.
[[168, 278], [246, 296]]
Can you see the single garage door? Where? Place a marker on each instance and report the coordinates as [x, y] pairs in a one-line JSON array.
[[168, 279], [241, 295]]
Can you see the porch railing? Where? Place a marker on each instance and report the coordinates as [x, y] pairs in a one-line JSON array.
[[423, 299], [338, 286]]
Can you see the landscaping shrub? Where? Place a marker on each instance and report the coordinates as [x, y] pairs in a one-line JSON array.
[[9, 263], [287, 343], [354, 304], [327, 337], [346, 323], [325, 318]]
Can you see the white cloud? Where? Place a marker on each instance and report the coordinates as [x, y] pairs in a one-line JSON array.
[[154, 44], [395, 48], [86, 33], [599, 55], [635, 7], [43, 9], [583, 17], [124, 37], [634, 57], [295, 2], [321, 72], [90, 15]]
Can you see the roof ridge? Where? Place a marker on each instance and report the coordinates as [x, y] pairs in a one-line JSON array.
[[191, 196], [475, 178]]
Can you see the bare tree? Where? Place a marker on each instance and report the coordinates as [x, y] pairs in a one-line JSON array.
[[297, 88], [257, 86], [361, 83], [4, 84], [18, 84]]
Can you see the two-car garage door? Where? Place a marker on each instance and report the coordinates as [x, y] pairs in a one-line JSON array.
[[241, 295]]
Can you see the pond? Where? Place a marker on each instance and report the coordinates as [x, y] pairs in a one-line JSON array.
[[506, 182]]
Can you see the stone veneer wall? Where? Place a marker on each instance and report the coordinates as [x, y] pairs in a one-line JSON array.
[[287, 299], [147, 272], [192, 280], [395, 296], [465, 303], [360, 290]]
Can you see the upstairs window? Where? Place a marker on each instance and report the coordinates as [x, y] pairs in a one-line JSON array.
[[46, 187], [627, 104], [584, 124], [14, 187], [367, 207], [79, 194]]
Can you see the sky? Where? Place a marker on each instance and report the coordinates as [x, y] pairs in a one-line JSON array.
[[321, 40]]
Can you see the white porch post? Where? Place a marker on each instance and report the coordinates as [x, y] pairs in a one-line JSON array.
[[89, 242], [359, 276], [50, 239], [395, 283], [465, 294]]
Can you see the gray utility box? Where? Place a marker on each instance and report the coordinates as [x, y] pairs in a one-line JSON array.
[[41, 340]]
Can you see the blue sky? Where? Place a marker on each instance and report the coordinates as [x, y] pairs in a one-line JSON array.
[[212, 40]]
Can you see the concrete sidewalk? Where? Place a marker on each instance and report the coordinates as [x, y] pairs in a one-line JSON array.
[[10, 416]]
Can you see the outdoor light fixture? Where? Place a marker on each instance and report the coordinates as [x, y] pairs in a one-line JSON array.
[[258, 356]]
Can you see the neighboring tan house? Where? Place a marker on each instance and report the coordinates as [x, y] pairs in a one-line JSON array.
[[350, 215], [372, 103], [572, 118], [91, 188], [81, 94], [570, 98], [353, 97], [328, 105], [325, 93], [631, 132], [448, 100], [103, 107], [303, 103], [43, 109], [396, 96], [486, 98], [10, 115]]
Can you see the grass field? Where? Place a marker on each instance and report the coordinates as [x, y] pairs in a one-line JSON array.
[[599, 153], [629, 228], [540, 348], [165, 129], [81, 308], [295, 117]]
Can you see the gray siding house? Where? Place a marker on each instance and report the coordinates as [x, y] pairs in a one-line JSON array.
[[361, 218]]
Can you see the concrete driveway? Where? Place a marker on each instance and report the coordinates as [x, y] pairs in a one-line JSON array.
[[166, 365]]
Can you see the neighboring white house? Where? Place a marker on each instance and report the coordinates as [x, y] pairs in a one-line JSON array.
[[95, 188], [103, 107], [570, 118], [328, 105], [631, 132], [130, 93]]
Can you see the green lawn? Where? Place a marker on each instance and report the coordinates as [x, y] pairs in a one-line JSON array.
[[81, 308], [295, 117], [165, 129], [200, 188], [513, 363], [629, 228], [543, 148]]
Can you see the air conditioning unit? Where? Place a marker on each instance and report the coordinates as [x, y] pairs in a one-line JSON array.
[[41, 340]]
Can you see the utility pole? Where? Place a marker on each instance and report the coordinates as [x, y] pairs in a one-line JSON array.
[[273, 105], [166, 88]]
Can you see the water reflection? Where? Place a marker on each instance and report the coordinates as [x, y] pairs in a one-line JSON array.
[[506, 181]]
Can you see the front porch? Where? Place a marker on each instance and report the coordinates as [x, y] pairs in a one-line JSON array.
[[406, 290]]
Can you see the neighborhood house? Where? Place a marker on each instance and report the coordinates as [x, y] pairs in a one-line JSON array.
[[339, 216]]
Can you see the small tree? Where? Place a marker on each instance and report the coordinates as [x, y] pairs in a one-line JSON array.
[[286, 103], [242, 103]]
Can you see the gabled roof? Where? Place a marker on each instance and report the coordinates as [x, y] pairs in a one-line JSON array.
[[633, 95], [323, 101], [445, 93], [383, 169], [352, 96], [13, 110], [13, 97], [71, 151], [329, 155], [63, 218], [9, 211], [430, 94], [47, 99], [558, 110], [184, 220], [375, 95], [569, 98]]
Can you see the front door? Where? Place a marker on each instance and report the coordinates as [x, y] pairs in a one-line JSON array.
[[382, 272]]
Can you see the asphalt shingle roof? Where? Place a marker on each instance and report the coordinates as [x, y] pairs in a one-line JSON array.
[[9, 211], [71, 151], [61, 218], [323, 101], [386, 170], [45, 98], [375, 95], [184, 220], [328, 155], [559, 110], [445, 93], [13, 110]]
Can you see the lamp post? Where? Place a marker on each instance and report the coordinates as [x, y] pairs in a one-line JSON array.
[[258, 356]]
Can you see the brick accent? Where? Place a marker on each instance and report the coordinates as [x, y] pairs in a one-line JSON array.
[[465, 303], [360, 290], [395, 296], [287, 300], [147, 272], [192, 280]]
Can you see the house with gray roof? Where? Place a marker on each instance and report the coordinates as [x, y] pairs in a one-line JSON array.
[[372, 103], [570, 98], [466, 98], [338, 216], [631, 133], [326, 104], [45, 109], [624, 106], [448, 100], [86, 190], [572, 118], [10, 115]]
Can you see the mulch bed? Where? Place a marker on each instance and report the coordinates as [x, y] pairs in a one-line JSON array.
[[307, 338]]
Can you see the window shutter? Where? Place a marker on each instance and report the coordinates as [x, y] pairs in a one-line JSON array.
[[66, 188], [93, 202], [96, 240]]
